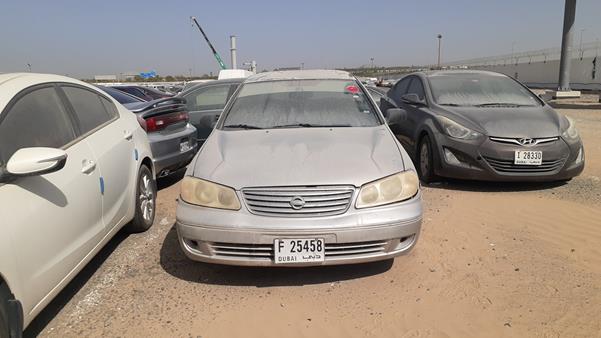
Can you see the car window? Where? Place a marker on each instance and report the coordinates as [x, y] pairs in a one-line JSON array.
[[400, 88], [120, 96], [301, 103], [88, 107], [133, 91], [110, 107], [416, 87], [376, 95], [38, 119], [208, 98]]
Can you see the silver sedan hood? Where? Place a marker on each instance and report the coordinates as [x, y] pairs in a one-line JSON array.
[[298, 157]]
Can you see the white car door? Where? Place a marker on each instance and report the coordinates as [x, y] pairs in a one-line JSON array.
[[110, 138], [54, 220]]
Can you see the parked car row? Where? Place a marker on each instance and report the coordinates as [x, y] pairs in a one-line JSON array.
[[292, 168]]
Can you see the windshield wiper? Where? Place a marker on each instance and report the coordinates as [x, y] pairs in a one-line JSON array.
[[449, 104], [310, 125], [499, 104], [241, 126]]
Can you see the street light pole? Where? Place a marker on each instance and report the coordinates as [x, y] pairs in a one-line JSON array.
[[512, 49], [580, 46], [372, 62], [439, 43]]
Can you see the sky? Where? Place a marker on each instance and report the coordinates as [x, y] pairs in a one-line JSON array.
[[82, 38]]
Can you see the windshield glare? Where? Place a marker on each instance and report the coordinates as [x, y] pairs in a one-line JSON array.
[[478, 89], [301, 103]]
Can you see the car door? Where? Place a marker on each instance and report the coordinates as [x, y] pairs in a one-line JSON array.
[[54, 220], [415, 112], [394, 100], [205, 104], [111, 140]]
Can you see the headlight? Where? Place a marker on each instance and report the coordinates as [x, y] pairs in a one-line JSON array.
[[391, 189], [571, 132], [208, 194], [456, 130]]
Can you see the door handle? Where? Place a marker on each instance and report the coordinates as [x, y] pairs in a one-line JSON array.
[[127, 135], [88, 166]]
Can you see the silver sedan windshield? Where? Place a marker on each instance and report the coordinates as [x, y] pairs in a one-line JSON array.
[[300, 103]]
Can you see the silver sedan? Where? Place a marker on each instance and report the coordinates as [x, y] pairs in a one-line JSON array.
[[300, 170]]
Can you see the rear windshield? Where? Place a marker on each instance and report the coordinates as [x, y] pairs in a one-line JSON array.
[[301, 103], [120, 96], [473, 89]]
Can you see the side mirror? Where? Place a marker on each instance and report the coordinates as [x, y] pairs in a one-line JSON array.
[[395, 116], [413, 99], [36, 161], [214, 121], [544, 97]]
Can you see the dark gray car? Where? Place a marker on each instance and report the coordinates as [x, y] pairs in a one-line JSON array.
[[172, 139], [205, 102], [482, 126]]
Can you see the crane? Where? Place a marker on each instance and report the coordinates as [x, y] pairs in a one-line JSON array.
[[217, 57]]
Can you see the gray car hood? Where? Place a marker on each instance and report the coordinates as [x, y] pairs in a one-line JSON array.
[[298, 157], [533, 122]]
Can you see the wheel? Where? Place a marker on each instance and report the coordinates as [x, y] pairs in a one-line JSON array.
[[146, 191], [426, 160]]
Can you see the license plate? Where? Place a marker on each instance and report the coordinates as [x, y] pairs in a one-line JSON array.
[[299, 250], [526, 157], [184, 146]]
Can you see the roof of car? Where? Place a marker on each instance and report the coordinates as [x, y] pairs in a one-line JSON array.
[[209, 83], [12, 83], [460, 71], [313, 74]]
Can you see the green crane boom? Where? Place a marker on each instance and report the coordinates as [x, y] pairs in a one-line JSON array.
[[215, 54]]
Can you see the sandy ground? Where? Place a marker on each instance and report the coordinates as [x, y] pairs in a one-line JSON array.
[[493, 260]]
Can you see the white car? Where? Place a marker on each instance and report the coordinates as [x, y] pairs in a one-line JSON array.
[[75, 167]]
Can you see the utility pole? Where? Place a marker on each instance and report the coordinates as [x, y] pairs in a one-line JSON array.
[[372, 62], [569, 16], [439, 36], [580, 46], [512, 49], [233, 51]]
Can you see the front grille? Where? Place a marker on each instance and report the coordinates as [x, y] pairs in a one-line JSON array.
[[507, 166], [520, 141], [265, 251], [316, 201]]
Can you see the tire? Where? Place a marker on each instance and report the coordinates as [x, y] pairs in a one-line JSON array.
[[425, 160], [146, 192]]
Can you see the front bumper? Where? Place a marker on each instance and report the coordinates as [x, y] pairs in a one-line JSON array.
[[242, 238], [489, 160]]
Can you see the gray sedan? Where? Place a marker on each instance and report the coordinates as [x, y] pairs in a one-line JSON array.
[[483, 126], [172, 139], [205, 101], [300, 170]]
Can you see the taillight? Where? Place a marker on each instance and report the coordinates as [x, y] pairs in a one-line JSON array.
[[157, 123], [142, 122]]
